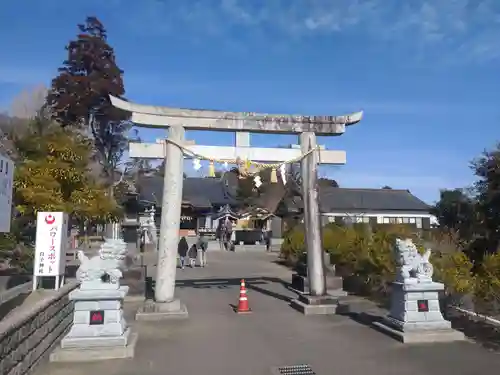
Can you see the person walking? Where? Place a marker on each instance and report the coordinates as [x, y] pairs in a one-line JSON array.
[[267, 239], [142, 240], [202, 246], [192, 255], [219, 234], [228, 234], [182, 250]]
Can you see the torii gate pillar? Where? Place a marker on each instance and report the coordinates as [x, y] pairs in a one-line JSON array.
[[165, 305], [170, 217], [312, 219]]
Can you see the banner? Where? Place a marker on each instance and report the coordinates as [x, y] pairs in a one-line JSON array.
[[51, 243]]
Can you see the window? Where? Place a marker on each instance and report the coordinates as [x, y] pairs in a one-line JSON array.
[[188, 222], [392, 220], [202, 222], [419, 222], [406, 220], [386, 220], [362, 219], [399, 220], [412, 220], [348, 219]]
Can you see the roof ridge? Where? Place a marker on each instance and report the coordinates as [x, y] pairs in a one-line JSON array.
[[365, 189]]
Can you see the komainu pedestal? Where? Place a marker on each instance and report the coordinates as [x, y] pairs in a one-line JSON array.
[[415, 315], [99, 329]]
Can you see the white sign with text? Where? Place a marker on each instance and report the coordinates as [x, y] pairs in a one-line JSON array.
[[6, 182], [51, 242]]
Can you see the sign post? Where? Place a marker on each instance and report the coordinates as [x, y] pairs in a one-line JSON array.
[[51, 239]]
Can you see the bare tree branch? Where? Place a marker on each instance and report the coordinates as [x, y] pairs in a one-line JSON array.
[[29, 103]]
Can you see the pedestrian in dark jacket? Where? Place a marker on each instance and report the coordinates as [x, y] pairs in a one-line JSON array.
[[192, 255], [182, 250], [267, 239]]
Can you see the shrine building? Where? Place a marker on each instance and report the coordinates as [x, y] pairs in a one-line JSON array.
[[208, 200]]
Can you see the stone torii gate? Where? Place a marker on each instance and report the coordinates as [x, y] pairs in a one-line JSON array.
[[177, 119]]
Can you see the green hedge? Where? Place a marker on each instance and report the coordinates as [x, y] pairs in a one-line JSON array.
[[366, 253]]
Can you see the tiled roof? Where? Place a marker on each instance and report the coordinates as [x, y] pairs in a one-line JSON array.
[[199, 192], [207, 192], [345, 199]]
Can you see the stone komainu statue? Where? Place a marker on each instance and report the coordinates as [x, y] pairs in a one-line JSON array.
[[412, 267], [103, 268]]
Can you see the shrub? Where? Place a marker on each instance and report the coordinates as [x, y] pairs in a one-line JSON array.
[[396, 230], [15, 254], [344, 245], [488, 283], [293, 244], [454, 270], [366, 255], [378, 267]]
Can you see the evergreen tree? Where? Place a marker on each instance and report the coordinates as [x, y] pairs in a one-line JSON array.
[[79, 95], [487, 169], [456, 214], [52, 175]]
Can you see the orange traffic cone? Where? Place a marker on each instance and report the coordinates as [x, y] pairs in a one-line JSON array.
[[243, 301]]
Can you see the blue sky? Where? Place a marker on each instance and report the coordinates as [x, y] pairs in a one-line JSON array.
[[426, 73]]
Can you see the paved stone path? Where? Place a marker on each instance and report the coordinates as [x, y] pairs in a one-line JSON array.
[[216, 341]]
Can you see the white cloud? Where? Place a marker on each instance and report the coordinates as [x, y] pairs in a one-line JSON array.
[[470, 28]]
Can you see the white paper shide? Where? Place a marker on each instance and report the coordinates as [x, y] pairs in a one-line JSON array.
[[51, 241]]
